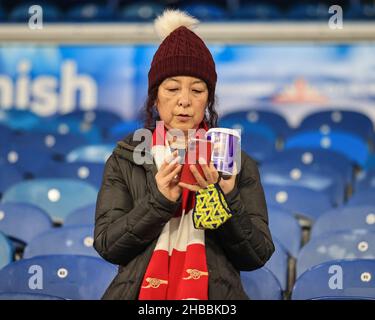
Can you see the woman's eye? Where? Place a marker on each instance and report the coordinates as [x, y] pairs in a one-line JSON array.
[[197, 91], [172, 89]]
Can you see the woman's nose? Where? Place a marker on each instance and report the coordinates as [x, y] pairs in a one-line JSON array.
[[184, 100]]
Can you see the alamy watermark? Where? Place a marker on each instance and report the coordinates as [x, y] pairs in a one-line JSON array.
[[36, 17], [336, 20], [335, 281]]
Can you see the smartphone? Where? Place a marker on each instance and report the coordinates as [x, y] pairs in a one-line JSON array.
[[197, 148]]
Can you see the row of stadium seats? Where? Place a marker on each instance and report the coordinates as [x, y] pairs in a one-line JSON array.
[[143, 11], [45, 183], [77, 241], [340, 233]]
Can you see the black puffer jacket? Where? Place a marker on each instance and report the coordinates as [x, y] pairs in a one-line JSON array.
[[131, 213]]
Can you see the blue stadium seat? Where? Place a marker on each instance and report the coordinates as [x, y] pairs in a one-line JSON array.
[[20, 13], [316, 178], [103, 119], [354, 148], [19, 119], [316, 11], [27, 296], [55, 125], [141, 11], [54, 143], [64, 276], [58, 197], [91, 153], [6, 251], [77, 240], [89, 12], [261, 284], [344, 219], [329, 159], [6, 133], [362, 197], [354, 244], [360, 11], [205, 11], [121, 130], [248, 129], [27, 159], [257, 146], [365, 180], [298, 200], [270, 119], [82, 216], [286, 229], [89, 172], [278, 264], [263, 12], [355, 123], [370, 164], [23, 222], [337, 280], [9, 175]]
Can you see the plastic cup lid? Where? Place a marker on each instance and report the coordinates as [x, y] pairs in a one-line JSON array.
[[232, 132]]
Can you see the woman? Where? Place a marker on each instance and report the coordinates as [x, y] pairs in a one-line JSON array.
[[144, 214]]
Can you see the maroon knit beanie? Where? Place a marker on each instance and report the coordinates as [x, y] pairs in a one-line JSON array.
[[182, 53]]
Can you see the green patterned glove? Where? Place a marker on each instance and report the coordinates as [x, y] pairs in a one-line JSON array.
[[210, 209]]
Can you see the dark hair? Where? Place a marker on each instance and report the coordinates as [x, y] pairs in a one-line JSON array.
[[151, 114]]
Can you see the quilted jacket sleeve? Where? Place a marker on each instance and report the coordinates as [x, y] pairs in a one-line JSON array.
[[123, 229], [246, 238]]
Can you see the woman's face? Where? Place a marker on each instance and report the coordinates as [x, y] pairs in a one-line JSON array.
[[181, 102]]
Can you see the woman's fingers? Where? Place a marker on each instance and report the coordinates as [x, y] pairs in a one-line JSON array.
[[201, 181], [166, 170], [190, 187], [206, 170], [168, 160], [172, 174]]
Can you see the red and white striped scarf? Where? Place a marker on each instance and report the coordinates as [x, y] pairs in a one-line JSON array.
[[177, 269]]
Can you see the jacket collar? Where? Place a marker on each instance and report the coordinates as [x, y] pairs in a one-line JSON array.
[[126, 149]]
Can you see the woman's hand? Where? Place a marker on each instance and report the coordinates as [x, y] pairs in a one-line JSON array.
[[166, 180], [211, 176]]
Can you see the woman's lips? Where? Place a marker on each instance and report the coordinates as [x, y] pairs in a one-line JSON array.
[[183, 117]]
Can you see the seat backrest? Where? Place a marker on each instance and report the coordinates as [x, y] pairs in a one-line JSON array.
[[27, 296], [308, 157], [89, 172], [58, 197], [82, 216], [285, 227], [365, 179], [272, 119], [64, 276], [337, 279], [261, 284], [351, 146], [76, 240], [362, 197], [6, 251], [344, 219], [91, 153], [355, 244], [298, 200], [9, 175], [22, 221], [351, 121], [278, 264], [317, 178]]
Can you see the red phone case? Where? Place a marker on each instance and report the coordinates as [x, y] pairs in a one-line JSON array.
[[186, 175]]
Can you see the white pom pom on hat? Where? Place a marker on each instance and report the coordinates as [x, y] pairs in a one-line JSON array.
[[170, 20]]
